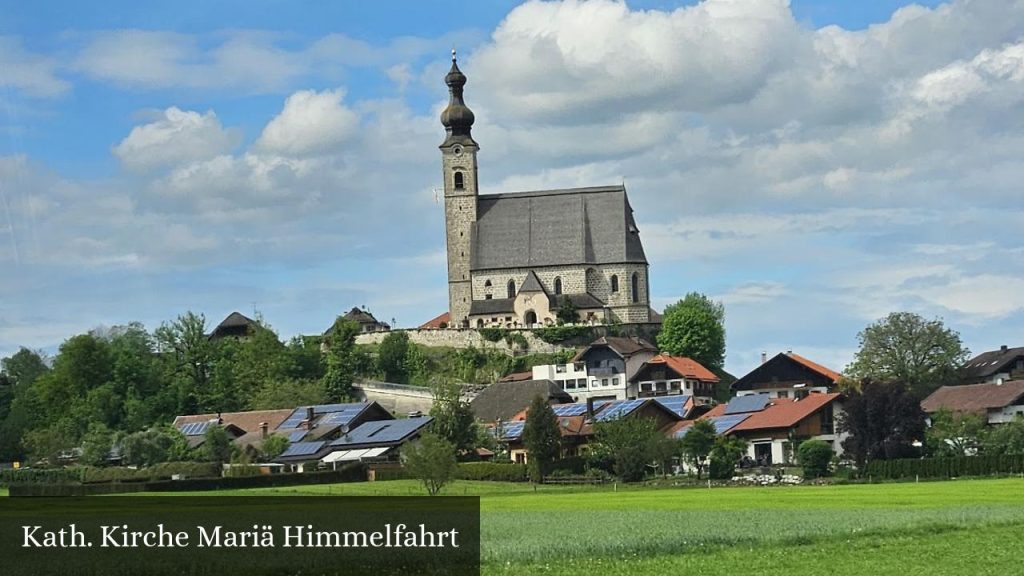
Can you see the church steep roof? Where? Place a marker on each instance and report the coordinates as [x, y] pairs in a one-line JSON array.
[[532, 284], [555, 228]]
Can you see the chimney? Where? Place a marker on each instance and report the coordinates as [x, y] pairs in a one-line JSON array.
[[309, 413], [1003, 348], [764, 357], [590, 408], [263, 429], [220, 420]]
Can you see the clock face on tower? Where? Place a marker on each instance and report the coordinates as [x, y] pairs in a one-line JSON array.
[[457, 150]]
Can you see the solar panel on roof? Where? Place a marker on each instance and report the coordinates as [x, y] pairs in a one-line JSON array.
[[619, 409], [511, 430], [570, 409], [297, 436], [299, 414], [676, 404], [302, 449], [194, 428], [725, 423], [748, 403]]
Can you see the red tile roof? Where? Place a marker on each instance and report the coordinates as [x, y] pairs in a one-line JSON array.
[[247, 421], [976, 398], [826, 372], [516, 377], [435, 323], [785, 412], [685, 367]]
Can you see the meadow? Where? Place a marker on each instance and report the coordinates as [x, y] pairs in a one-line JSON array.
[[953, 527]]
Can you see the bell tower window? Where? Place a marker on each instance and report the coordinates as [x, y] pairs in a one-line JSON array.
[[460, 182], [636, 287]]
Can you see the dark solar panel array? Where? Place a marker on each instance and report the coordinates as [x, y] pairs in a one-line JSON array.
[[570, 409], [297, 435], [383, 431], [195, 428], [748, 403], [511, 430], [619, 409], [342, 413], [725, 423], [302, 449], [676, 404]]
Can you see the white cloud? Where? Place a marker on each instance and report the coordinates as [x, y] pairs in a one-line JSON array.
[[178, 136], [29, 72], [310, 123]]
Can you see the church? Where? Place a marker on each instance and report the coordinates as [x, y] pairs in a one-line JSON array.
[[515, 259]]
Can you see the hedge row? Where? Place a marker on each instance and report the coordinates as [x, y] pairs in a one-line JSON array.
[[11, 477], [492, 471], [351, 473], [946, 467], [162, 471]]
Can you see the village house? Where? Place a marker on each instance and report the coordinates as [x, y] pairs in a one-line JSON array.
[[610, 362], [665, 375], [997, 402], [787, 375], [994, 366]]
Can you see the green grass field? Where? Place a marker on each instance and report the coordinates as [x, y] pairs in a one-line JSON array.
[[951, 528]]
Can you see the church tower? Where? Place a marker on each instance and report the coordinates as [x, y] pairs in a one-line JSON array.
[[458, 161]]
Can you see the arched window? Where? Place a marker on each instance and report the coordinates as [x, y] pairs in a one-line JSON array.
[[615, 283], [480, 323], [511, 288], [459, 181], [558, 286], [530, 318], [636, 287]]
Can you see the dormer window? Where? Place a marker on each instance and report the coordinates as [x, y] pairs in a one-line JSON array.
[[459, 181]]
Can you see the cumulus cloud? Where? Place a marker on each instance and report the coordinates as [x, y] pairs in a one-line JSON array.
[[310, 123], [177, 137]]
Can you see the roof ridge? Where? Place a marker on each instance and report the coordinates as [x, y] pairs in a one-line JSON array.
[[555, 192]]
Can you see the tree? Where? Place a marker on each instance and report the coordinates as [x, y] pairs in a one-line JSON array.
[[431, 459], [906, 348], [725, 454], [695, 327], [814, 456], [216, 445], [884, 421], [152, 446], [1006, 438], [631, 444], [23, 367], [566, 313], [392, 355], [951, 435], [696, 445], [48, 444], [186, 354], [273, 447], [96, 445], [542, 438], [453, 418], [275, 394], [342, 361]]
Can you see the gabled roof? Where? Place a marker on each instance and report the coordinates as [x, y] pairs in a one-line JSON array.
[[992, 362], [784, 412], [787, 368], [492, 306], [382, 433], [436, 322], [516, 377], [532, 284], [246, 421], [681, 365], [502, 400], [828, 373], [555, 228], [624, 347], [974, 398], [236, 324], [361, 316]]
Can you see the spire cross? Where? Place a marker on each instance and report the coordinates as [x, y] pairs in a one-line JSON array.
[[453, 54]]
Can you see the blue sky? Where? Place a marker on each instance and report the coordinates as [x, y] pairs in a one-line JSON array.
[[814, 165]]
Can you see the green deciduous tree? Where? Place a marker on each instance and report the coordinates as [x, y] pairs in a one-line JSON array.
[[1006, 438], [342, 359], [431, 459], [884, 421], [23, 367], [696, 445], [631, 444], [695, 327], [907, 349], [952, 435], [542, 439], [96, 445], [216, 445], [273, 447], [392, 356], [453, 418], [724, 456]]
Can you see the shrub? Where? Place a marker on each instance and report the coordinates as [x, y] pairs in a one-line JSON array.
[[47, 476], [559, 334], [946, 467], [815, 456], [492, 334]]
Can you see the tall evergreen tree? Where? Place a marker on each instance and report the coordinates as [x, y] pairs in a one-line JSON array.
[[542, 438]]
